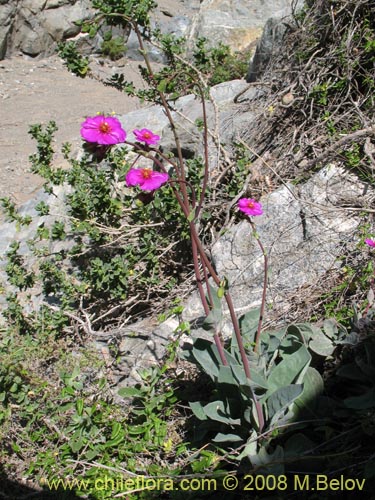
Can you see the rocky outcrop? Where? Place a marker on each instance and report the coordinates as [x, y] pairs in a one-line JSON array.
[[34, 27], [304, 231], [268, 45], [237, 23]]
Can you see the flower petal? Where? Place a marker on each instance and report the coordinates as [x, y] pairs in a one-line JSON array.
[[147, 136], [92, 130], [134, 177], [154, 182], [250, 206]]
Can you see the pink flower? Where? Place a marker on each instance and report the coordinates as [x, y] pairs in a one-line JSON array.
[[102, 130], [145, 135], [145, 178], [370, 243], [250, 206]]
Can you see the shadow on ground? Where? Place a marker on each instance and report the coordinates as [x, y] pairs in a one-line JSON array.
[[14, 490]]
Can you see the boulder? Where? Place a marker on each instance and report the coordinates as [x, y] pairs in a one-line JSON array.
[[34, 27], [304, 231], [7, 13], [269, 44], [237, 23]]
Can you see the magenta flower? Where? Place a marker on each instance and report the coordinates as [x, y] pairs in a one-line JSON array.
[[145, 135], [102, 130], [370, 242], [145, 178], [250, 206]]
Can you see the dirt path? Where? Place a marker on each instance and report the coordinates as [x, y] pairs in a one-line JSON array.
[[37, 91]]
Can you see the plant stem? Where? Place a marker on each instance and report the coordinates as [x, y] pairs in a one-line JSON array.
[[264, 292]]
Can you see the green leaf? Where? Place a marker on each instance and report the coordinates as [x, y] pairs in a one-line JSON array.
[[79, 406], [197, 409], [288, 371], [313, 387], [227, 438], [249, 323], [117, 429], [330, 328], [216, 411], [269, 463], [206, 355], [257, 381], [250, 448], [91, 454], [321, 344], [226, 375], [191, 215], [280, 400], [76, 444], [162, 87], [114, 442], [129, 392]]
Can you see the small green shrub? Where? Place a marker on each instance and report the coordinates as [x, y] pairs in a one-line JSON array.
[[113, 47]]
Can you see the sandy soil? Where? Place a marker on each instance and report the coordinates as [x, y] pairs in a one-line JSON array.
[[37, 91]]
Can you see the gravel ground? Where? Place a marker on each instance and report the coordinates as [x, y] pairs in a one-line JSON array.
[[37, 91]]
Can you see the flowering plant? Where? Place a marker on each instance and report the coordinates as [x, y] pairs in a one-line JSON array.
[[103, 130], [145, 178], [370, 242], [250, 206], [145, 135]]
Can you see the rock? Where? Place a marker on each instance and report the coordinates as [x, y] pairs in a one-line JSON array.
[[188, 110], [7, 14], [10, 233], [176, 25], [236, 23], [34, 27], [269, 44], [303, 233], [303, 230]]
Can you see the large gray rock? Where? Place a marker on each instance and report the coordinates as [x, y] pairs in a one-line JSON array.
[[34, 27], [269, 44], [304, 231], [236, 23], [7, 13], [222, 117], [10, 233]]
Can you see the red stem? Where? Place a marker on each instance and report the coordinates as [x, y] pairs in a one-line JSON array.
[[264, 292]]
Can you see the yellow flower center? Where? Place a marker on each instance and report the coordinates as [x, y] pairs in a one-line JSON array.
[[104, 128], [146, 135], [146, 173], [250, 204]]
